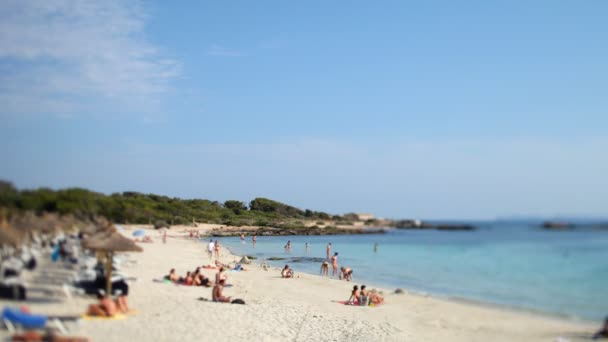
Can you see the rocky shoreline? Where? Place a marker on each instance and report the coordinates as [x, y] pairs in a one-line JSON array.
[[274, 231]]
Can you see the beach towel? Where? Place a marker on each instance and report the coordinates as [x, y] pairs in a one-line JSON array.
[[344, 302]]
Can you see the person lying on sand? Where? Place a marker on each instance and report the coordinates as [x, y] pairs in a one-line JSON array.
[[35, 336], [188, 280], [287, 272], [603, 333], [354, 296], [346, 273], [172, 276], [375, 298], [219, 264], [325, 268], [217, 295]]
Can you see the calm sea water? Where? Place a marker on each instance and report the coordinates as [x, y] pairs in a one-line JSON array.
[[512, 264]]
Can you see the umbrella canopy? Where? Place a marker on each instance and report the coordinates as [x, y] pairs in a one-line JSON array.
[[114, 242]]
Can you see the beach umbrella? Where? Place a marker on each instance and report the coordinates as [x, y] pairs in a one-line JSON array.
[[110, 244], [139, 232]]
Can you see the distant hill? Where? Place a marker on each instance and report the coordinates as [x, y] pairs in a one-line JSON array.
[[135, 207]]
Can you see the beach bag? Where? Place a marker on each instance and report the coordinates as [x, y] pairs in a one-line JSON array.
[[238, 301]]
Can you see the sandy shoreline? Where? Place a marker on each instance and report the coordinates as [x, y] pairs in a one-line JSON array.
[[302, 309]]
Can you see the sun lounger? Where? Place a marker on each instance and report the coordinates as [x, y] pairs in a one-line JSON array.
[[13, 318]]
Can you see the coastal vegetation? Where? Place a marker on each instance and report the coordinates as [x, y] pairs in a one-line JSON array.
[[262, 215], [138, 208]]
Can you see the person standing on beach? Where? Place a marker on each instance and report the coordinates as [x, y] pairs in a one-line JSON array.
[[328, 250], [217, 249], [334, 265], [210, 248]]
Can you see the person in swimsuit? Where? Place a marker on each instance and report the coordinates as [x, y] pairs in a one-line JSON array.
[[217, 295], [288, 246], [306, 247], [254, 240], [328, 250], [354, 296], [375, 298], [220, 275], [106, 307], [188, 280], [172, 276], [346, 273], [325, 268], [217, 249], [363, 299], [287, 272], [334, 265]]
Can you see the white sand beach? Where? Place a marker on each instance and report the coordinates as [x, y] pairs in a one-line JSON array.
[[301, 309]]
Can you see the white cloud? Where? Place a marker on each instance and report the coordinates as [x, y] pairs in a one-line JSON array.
[[58, 56]]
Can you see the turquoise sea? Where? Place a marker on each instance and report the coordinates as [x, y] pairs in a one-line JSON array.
[[512, 264]]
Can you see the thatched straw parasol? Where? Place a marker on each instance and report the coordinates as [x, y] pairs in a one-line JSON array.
[[114, 242]]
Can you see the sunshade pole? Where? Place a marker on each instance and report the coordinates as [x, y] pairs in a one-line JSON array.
[[109, 274]]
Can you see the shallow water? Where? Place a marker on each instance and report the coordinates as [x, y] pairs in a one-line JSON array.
[[512, 264]]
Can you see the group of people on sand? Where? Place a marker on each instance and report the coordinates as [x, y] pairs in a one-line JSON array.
[[364, 297], [192, 278], [196, 278], [213, 248], [345, 273]]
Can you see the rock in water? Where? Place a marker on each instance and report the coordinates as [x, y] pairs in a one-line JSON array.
[[399, 291], [245, 260]]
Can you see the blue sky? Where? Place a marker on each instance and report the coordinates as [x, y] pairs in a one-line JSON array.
[[435, 109]]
